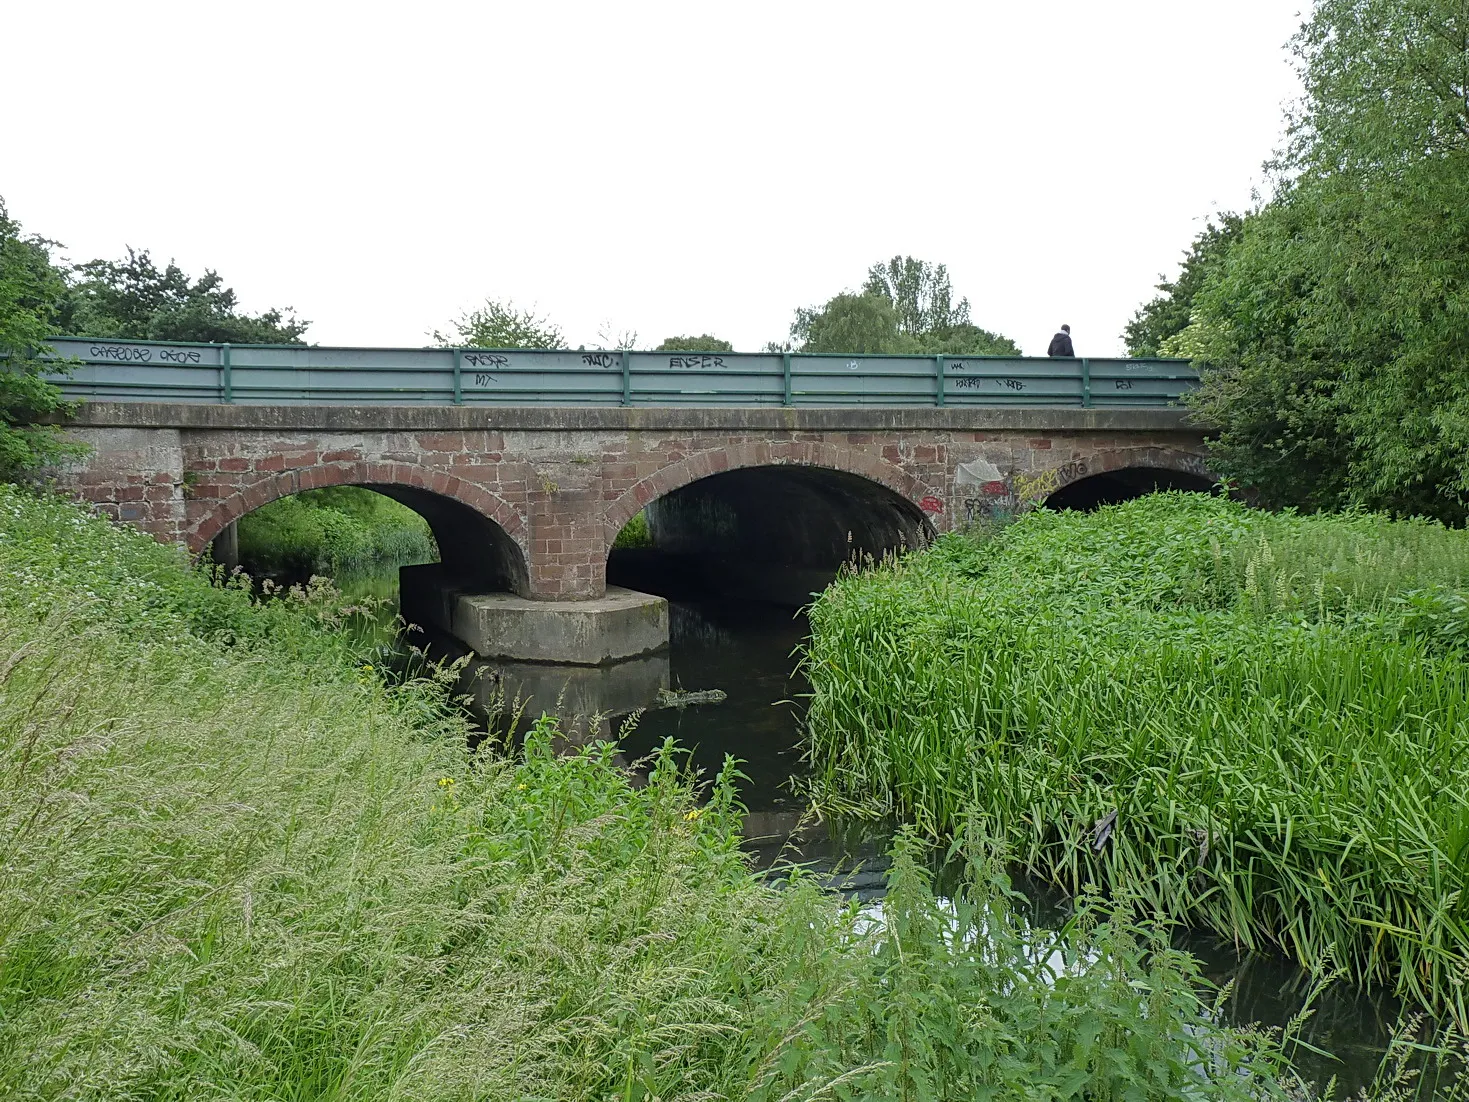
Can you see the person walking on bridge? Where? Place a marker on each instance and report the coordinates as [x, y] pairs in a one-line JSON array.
[[1061, 343]]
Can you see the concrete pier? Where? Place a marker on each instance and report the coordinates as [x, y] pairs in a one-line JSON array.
[[621, 624]]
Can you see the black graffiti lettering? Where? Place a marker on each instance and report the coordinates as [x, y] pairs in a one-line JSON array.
[[123, 353], [988, 507], [966, 382], [1124, 384], [481, 379], [179, 355], [601, 359], [1013, 384], [694, 363], [956, 365], [485, 359]]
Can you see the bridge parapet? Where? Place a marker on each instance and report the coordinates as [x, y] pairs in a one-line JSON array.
[[223, 374]]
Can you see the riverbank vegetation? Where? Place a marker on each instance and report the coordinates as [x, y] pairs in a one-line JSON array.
[[1331, 323], [242, 863], [1257, 721], [332, 530], [634, 534], [29, 285]]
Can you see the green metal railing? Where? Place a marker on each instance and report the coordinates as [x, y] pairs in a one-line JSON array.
[[142, 371]]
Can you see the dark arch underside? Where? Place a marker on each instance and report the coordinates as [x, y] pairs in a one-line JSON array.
[[1124, 485], [473, 549], [775, 533]]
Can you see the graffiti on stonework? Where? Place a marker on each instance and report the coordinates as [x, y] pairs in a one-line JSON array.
[[1033, 487], [986, 494]]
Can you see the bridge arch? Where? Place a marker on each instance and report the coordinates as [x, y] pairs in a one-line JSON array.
[[766, 522], [1119, 474], [713, 461], [480, 537]]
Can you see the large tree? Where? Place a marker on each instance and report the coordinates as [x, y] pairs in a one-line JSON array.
[[1334, 335], [849, 323], [31, 287], [1170, 311], [501, 325], [702, 343], [905, 306], [134, 298]]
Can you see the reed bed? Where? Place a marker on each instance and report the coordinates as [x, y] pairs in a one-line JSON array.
[[238, 863], [1255, 722]]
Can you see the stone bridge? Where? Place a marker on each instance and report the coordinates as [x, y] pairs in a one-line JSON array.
[[527, 501]]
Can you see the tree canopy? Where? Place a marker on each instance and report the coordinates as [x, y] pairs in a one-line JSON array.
[[41, 297], [702, 343], [1333, 333], [1169, 313], [848, 323], [501, 325], [905, 306], [31, 287], [135, 299]]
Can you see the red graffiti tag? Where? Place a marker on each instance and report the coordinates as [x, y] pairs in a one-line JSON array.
[[931, 504]]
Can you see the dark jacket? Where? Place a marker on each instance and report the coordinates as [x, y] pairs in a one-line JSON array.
[[1061, 345]]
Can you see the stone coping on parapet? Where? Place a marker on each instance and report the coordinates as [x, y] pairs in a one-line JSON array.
[[431, 418]]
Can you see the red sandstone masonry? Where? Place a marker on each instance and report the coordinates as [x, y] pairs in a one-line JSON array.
[[562, 493]]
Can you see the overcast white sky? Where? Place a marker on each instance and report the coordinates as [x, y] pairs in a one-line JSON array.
[[668, 168]]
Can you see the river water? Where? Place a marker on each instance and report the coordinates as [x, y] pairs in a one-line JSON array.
[[748, 651]]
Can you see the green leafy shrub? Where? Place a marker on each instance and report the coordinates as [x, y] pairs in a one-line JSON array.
[[331, 530], [1256, 721], [634, 533], [30, 289]]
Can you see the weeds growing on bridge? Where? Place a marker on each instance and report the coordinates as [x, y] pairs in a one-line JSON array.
[[237, 864], [1258, 722]]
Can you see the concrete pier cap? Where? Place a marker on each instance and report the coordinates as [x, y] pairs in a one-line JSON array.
[[621, 624], [597, 631]]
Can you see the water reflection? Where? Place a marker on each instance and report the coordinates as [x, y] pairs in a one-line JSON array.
[[584, 697], [746, 650]]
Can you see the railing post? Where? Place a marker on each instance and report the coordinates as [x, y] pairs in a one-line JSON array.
[[938, 362], [626, 377], [788, 399], [226, 380], [1086, 383], [458, 377]]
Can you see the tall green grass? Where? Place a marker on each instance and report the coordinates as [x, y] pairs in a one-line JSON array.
[[236, 863], [1255, 721], [336, 529]]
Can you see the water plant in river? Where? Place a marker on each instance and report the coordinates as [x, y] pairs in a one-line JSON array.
[[1255, 721], [238, 864]]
